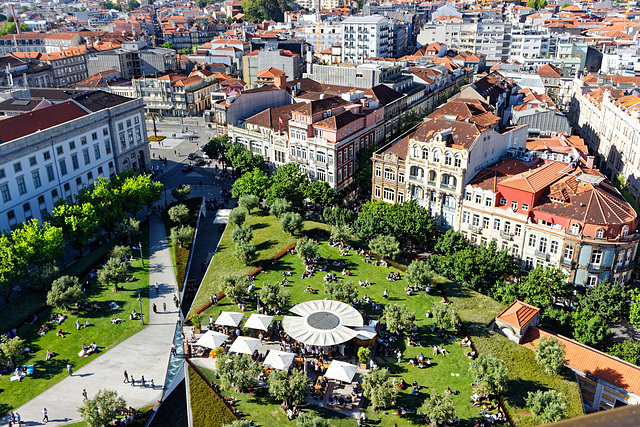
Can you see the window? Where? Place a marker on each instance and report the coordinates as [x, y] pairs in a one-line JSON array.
[[33, 161], [129, 123], [568, 253], [123, 141], [503, 201], [447, 159], [476, 220], [54, 194], [378, 171], [525, 207], [41, 200], [388, 194], [488, 201], [11, 216], [496, 224], [514, 205], [136, 120], [401, 178], [120, 126], [78, 181], [457, 162], [599, 233], [515, 250], [6, 195], [36, 179], [26, 207], [400, 197], [596, 257], [63, 167], [532, 240], [17, 167], [321, 175], [47, 155], [625, 229], [105, 132], [592, 280], [22, 187], [542, 246], [377, 191], [100, 170], [478, 199], [74, 162], [485, 223], [94, 136], [465, 217], [83, 140], [425, 154], [89, 176], [389, 175], [467, 196], [575, 228], [85, 154], [553, 247], [67, 187], [528, 263], [96, 151], [72, 145]]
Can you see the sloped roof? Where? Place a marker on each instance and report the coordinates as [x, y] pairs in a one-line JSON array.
[[338, 121], [474, 110], [400, 148], [45, 118], [320, 105], [270, 73], [384, 94], [518, 314], [549, 70], [270, 118], [489, 178], [537, 179], [462, 135]]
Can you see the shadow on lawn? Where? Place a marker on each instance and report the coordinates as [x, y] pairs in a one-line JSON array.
[[518, 389], [259, 226], [48, 369], [265, 245]]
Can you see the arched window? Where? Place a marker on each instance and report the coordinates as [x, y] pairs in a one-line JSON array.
[[625, 231], [448, 160], [418, 192], [416, 151], [413, 172], [457, 161], [450, 201], [433, 176], [436, 155], [425, 154], [575, 228], [599, 233]]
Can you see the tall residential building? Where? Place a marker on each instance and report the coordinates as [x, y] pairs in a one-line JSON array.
[[53, 152], [366, 37]]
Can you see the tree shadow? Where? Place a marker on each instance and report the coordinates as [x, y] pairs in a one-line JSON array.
[[518, 389], [610, 375], [48, 369], [259, 226], [265, 245]]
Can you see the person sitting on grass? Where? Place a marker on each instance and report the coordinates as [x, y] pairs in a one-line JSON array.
[[115, 321], [60, 333]]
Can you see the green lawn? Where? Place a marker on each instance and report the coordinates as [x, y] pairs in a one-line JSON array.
[[269, 239], [476, 312], [206, 406], [180, 255], [438, 377], [105, 335]]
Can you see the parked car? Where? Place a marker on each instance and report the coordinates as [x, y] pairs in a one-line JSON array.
[[199, 162], [193, 156], [187, 168]]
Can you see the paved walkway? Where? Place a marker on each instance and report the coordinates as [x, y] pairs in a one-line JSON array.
[[145, 353]]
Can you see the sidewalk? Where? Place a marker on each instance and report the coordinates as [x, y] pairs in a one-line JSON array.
[[145, 353]]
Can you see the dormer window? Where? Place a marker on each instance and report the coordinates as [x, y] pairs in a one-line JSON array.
[[575, 228], [600, 233], [625, 231]]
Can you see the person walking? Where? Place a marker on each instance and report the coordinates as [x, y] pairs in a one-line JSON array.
[[173, 349], [157, 287], [69, 370], [45, 417], [142, 383], [18, 419], [126, 377], [155, 309], [84, 394], [133, 382], [164, 306]]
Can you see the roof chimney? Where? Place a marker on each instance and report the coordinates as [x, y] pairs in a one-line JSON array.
[[280, 81]]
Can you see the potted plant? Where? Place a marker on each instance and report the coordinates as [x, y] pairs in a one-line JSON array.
[[196, 322], [363, 356]]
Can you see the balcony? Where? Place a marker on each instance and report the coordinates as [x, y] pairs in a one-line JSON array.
[[595, 267], [542, 255], [567, 262], [432, 183], [506, 236], [475, 229], [621, 267]]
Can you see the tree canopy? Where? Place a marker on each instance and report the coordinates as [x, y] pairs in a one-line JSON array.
[[444, 315], [65, 291], [438, 407], [550, 354], [292, 388], [239, 371], [543, 286], [609, 300], [102, 408], [306, 249], [397, 318], [591, 329], [547, 406], [288, 182], [379, 388], [274, 296], [385, 246], [490, 373], [291, 222], [255, 182], [344, 291], [419, 273], [257, 11]]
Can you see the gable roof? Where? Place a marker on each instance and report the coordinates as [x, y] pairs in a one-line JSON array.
[[25, 124], [462, 135], [270, 118], [518, 313]]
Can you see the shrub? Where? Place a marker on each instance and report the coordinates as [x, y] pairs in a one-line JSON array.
[[490, 373], [237, 217], [306, 249], [243, 233], [182, 235], [385, 246], [444, 315], [291, 222], [65, 291], [249, 202], [364, 354], [550, 354], [179, 214], [181, 192], [419, 273], [547, 406], [279, 207], [341, 232]]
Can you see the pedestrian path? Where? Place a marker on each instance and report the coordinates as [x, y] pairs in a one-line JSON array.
[[145, 353]]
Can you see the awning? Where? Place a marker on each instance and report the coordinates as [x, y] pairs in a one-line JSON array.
[[277, 359], [258, 321], [341, 371]]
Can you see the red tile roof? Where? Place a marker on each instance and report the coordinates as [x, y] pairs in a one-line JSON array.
[[518, 314], [28, 123]]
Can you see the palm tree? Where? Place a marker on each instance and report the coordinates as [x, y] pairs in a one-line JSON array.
[[153, 116]]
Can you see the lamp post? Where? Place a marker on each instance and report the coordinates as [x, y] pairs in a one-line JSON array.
[[258, 302], [141, 315], [141, 256]]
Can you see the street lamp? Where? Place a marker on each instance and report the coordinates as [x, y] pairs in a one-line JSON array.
[[141, 256], [140, 301]]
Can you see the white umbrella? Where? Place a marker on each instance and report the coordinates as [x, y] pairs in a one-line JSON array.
[[258, 321], [322, 322], [246, 345], [212, 339], [277, 359], [229, 318], [341, 371]]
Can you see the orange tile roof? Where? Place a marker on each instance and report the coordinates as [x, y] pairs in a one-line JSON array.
[[591, 361], [518, 314], [537, 179]]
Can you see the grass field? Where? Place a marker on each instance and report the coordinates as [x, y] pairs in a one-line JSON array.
[[269, 239], [438, 377], [105, 335], [206, 406], [180, 255]]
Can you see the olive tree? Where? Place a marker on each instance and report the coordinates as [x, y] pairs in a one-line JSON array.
[[444, 315], [379, 388], [547, 406], [248, 202], [490, 373], [179, 214], [102, 408], [438, 407], [397, 317], [306, 249], [65, 291], [239, 371], [550, 354], [291, 388], [237, 217], [291, 222], [385, 246]]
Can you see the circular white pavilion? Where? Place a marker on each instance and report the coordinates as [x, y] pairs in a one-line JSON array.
[[322, 322]]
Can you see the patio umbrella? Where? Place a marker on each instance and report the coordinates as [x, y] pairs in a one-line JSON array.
[[229, 318], [258, 321], [212, 339], [277, 359], [246, 345], [341, 371]]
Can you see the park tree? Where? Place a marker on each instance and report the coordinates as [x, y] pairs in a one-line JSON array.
[[490, 373], [257, 11], [243, 233], [634, 310], [438, 408], [168, 45], [591, 329], [609, 300], [65, 292], [379, 388], [12, 352], [245, 252], [479, 268], [128, 228], [385, 246], [504, 291], [531, 4], [217, 147], [102, 408], [10, 28], [234, 287], [628, 350], [274, 296], [114, 271], [306, 249], [558, 320], [182, 235], [42, 276], [288, 182], [38, 243], [372, 220], [243, 160], [11, 267], [309, 420], [291, 388], [345, 291], [546, 406], [79, 222], [291, 222], [419, 273], [320, 193], [340, 233], [279, 207], [179, 214], [444, 315], [132, 5], [543, 287], [255, 182], [397, 318], [139, 191], [181, 192], [412, 223], [238, 371], [550, 354], [105, 197], [450, 242], [338, 216], [248, 202], [121, 252], [237, 217]]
